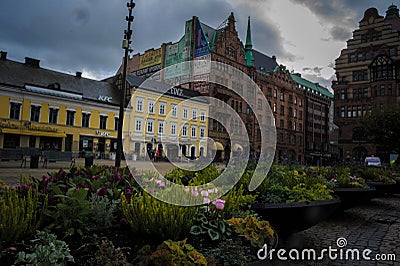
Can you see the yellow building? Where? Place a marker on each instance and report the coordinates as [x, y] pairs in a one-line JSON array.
[[47, 110], [170, 120]]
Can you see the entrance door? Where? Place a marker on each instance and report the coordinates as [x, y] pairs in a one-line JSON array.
[[68, 143], [102, 147], [193, 153]]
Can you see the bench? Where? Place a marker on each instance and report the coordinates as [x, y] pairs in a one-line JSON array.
[[58, 156], [16, 154]]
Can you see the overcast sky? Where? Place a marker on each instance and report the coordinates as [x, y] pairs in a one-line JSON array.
[[85, 35]]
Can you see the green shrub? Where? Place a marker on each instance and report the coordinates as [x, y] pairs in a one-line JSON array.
[[71, 215], [150, 216], [171, 253], [20, 212], [103, 211], [256, 232], [46, 250], [237, 202], [101, 251]]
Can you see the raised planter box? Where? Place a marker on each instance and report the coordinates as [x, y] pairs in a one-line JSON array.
[[383, 189], [288, 218], [351, 197]]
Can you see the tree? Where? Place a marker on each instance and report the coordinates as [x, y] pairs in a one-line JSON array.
[[382, 126]]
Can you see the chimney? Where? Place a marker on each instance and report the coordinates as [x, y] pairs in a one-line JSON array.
[[31, 62], [3, 55], [274, 58], [78, 74]]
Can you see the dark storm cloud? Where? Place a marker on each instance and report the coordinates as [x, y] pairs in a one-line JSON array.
[[344, 14], [327, 83], [314, 70]]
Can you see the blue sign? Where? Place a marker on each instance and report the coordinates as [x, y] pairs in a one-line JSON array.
[[201, 47]]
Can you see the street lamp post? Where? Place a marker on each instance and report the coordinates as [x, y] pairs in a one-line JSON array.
[[125, 45]]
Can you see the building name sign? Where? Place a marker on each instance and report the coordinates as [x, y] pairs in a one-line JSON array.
[[104, 98], [102, 133], [176, 91], [26, 126]]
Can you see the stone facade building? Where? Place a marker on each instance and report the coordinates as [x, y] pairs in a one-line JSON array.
[[367, 73]]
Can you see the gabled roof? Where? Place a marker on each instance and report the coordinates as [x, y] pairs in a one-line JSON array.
[[263, 62], [18, 74], [312, 86]]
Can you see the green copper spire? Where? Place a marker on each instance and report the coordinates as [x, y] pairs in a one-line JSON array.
[[248, 48]]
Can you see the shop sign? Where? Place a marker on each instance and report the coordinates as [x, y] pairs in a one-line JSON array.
[[104, 98], [26, 126], [102, 133]]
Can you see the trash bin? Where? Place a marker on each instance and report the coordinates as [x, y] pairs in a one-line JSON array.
[[89, 161], [34, 163]]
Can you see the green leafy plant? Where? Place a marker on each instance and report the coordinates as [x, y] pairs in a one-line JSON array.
[[176, 253], [72, 214], [101, 251], [152, 217], [257, 232], [46, 250], [103, 211], [372, 174], [209, 222], [20, 212]]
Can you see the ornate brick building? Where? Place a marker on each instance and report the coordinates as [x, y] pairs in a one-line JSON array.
[[368, 73]]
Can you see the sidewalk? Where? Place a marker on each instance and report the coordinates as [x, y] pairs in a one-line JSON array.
[[10, 171]]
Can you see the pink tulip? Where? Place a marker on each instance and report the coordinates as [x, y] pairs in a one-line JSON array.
[[219, 204], [204, 193], [195, 192], [206, 200]]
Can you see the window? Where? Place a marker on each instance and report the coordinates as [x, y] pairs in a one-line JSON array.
[[173, 129], [35, 113], [151, 106], [150, 126], [53, 115], [282, 96], [259, 104], [281, 123], [185, 112], [282, 110], [194, 114], [184, 130], [193, 132], [202, 132], [295, 113], [160, 127], [382, 90], [116, 122], [342, 111], [174, 110], [342, 94], [300, 102], [85, 119], [162, 108], [202, 115], [70, 118], [139, 104], [15, 110], [275, 93], [274, 107], [138, 124], [349, 111], [103, 122]]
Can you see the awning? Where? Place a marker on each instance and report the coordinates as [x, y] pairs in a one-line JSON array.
[[33, 133], [218, 146], [237, 147]]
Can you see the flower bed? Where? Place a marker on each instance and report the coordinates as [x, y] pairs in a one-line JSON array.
[[99, 215]]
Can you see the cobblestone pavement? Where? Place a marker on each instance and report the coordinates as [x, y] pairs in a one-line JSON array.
[[375, 226]]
